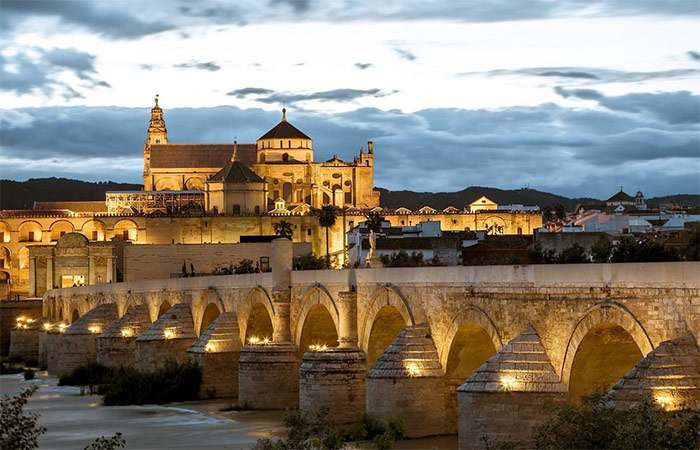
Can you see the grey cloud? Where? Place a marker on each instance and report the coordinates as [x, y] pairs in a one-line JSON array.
[[33, 68], [554, 73], [405, 54], [336, 95], [671, 107], [210, 66], [146, 67], [583, 94], [695, 56], [113, 21], [298, 6], [242, 93], [571, 151], [591, 74], [363, 66]]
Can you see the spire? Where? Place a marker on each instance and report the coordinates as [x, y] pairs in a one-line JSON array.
[[284, 114], [235, 150]]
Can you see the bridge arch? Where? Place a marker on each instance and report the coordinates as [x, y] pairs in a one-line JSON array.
[[258, 315], [124, 306], [606, 342], [318, 319], [211, 306], [469, 324], [388, 313]]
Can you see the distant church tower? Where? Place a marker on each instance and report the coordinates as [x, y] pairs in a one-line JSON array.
[[157, 134]]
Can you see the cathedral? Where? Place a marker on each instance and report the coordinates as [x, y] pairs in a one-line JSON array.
[[198, 196], [254, 178]]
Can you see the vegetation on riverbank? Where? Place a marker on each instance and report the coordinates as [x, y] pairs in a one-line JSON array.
[[128, 386]]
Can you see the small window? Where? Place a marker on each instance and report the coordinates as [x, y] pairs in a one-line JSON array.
[[285, 157], [366, 163], [2, 236], [308, 231], [257, 209], [454, 221], [157, 140], [94, 235], [520, 230], [348, 197], [236, 209], [62, 233], [290, 144], [264, 263], [281, 144], [30, 236], [125, 235]]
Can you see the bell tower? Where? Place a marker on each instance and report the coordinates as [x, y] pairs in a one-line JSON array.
[[157, 134]]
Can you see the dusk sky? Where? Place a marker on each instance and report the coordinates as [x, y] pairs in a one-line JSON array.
[[568, 96]]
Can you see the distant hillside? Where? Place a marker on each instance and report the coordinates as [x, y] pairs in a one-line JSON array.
[[441, 200], [23, 194]]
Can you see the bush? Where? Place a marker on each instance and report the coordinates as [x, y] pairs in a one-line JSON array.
[[31, 362], [19, 430], [596, 424], [245, 266], [575, 254], [309, 262], [103, 443], [92, 373], [173, 383], [28, 374], [402, 259]]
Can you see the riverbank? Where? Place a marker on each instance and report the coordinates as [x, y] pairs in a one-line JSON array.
[[74, 421]]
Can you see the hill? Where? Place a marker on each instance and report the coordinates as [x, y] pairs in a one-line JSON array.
[[23, 194], [441, 200]]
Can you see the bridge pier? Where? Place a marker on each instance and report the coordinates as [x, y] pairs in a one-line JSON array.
[[268, 376], [79, 341], [408, 381], [24, 340], [217, 352], [669, 375], [166, 340], [116, 346], [510, 394], [334, 378]]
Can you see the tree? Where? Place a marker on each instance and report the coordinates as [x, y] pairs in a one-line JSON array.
[[537, 255], [546, 214], [327, 216], [559, 211], [284, 229], [374, 221], [308, 262], [19, 430], [403, 259], [602, 249], [574, 254]]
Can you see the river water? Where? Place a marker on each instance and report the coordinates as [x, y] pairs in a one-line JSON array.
[[74, 421]]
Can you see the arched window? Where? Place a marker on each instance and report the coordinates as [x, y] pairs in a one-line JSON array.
[[285, 157], [281, 144], [520, 230]]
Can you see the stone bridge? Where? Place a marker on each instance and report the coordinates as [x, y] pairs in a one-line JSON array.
[[398, 342]]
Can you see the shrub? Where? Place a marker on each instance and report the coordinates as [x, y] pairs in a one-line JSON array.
[[575, 254], [173, 383], [103, 443], [92, 373], [395, 430], [596, 424], [309, 262], [28, 374], [402, 259], [19, 430], [245, 266]]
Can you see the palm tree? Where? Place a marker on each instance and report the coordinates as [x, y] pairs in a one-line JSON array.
[[327, 216], [374, 221], [284, 229]]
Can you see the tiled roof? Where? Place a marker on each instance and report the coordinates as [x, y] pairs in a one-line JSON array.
[[236, 172], [522, 365], [620, 197], [86, 206], [285, 130], [165, 156]]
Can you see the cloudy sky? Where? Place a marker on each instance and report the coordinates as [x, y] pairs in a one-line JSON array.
[[567, 96]]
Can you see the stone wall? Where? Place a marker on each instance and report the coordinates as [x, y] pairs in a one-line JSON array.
[[336, 379], [50, 345], [25, 344], [502, 416], [9, 312], [219, 373], [150, 262], [268, 376]]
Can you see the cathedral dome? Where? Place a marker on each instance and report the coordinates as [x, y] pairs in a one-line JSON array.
[[285, 143]]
